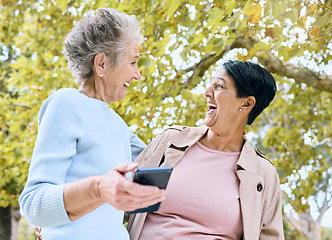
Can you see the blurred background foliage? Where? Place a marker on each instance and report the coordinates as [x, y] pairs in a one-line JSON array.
[[185, 42]]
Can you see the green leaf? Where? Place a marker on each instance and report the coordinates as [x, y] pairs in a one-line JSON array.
[[247, 6], [62, 4], [170, 6], [321, 21], [214, 18], [279, 9], [229, 7]]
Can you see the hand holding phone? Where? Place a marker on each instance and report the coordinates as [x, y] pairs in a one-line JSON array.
[[155, 177]]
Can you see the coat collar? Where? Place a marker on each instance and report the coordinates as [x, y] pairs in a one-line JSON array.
[[248, 158], [182, 142], [191, 135]]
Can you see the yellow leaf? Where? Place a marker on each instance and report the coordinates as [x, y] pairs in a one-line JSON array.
[[314, 31], [304, 20], [255, 13], [312, 8]]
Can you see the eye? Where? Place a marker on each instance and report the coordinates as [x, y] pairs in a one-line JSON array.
[[133, 63], [219, 86]]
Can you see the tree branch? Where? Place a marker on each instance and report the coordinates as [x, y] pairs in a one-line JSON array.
[[273, 64], [297, 225], [207, 60], [298, 72]]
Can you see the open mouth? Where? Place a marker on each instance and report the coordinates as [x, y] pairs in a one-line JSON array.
[[211, 108], [126, 84]]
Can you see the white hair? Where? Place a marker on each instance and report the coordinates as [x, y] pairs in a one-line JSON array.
[[109, 31]]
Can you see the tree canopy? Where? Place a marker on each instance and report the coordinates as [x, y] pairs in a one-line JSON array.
[[185, 41]]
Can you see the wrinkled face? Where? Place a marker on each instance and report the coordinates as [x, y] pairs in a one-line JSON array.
[[223, 105], [119, 78]]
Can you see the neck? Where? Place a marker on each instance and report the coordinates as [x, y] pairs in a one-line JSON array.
[[88, 88], [228, 141]]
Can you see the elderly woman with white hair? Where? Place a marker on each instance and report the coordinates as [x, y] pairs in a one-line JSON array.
[[76, 187]]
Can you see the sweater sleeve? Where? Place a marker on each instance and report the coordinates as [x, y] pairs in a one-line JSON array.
[[61, 125], [137, 146]]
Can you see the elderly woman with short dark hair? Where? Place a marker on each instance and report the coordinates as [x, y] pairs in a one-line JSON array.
[[76, 187]]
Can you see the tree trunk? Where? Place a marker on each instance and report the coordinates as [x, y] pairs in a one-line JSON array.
[[5, 223], [15, 216], [316, 231]]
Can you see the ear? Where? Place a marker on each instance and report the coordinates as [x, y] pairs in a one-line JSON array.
[[248, 103], [99, 62]]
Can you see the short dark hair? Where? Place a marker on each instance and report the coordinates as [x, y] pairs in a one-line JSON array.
[[250, 79]]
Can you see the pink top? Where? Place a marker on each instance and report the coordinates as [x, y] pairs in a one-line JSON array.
[[202, 199]]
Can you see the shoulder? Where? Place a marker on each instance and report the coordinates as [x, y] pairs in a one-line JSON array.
[[171, 132], [175, 128], [268, 168], [263, 157], [259, 162], [165, 136], [64, 101], [65, 97], [65, 94]]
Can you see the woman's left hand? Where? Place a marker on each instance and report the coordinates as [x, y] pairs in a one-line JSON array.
[[37, 233]]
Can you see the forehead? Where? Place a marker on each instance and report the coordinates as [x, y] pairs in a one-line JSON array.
[[132, 51], [221, 75]]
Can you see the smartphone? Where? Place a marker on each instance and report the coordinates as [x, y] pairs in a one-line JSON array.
[[155, 177]]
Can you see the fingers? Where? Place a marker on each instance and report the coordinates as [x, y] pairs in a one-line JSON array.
[[37, 233], [133, 205], [123, 194], [125, 167], [129, 202], [138, 189]]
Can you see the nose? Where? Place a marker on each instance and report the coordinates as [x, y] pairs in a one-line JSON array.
[[208, 92], [137, 74]]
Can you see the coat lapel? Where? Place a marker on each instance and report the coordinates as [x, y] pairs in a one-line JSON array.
[[181, 143]]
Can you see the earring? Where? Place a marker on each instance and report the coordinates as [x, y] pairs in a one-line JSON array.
[[240, 109], [101, 75]]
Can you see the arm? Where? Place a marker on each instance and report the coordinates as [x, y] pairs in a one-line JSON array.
[[272, 228], [113, 188], [60, 125], [137, 146], [47, 200]]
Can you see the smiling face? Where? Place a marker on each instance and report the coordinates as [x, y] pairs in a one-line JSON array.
[[118, 79], [223, 105]]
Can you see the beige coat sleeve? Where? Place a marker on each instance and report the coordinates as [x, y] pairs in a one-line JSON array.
[[272, 225]]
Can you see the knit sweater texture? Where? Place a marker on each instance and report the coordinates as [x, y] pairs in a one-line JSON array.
[[77, 137]]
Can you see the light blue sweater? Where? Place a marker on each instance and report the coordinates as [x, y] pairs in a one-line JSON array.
[[77, 137]]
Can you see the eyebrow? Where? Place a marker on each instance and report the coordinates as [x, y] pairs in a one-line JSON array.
[[220, 78]]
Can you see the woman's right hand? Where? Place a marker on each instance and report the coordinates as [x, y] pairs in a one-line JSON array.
[[123, 194], [84, 196]]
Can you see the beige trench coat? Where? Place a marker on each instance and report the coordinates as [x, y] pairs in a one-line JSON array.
[[260, 194]]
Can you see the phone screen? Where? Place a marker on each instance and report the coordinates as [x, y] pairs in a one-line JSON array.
[[155, 177]]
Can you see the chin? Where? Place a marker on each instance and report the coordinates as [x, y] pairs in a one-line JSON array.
[[207, 123], [121, 97]]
